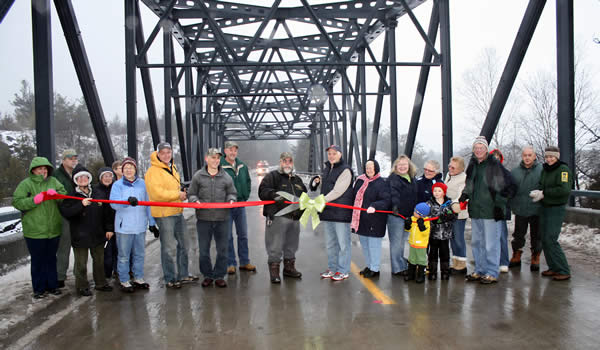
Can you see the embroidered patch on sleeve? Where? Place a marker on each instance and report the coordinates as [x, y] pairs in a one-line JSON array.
[[564, 176]]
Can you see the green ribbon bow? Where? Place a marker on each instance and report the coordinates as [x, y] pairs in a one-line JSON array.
[[312, 208]]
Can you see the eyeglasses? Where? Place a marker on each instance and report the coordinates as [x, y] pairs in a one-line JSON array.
[[451, 166], [428, 170]]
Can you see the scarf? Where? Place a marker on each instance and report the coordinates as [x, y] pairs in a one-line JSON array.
[[359, 199]]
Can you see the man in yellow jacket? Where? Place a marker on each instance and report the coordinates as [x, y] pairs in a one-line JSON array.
[[164, 185]]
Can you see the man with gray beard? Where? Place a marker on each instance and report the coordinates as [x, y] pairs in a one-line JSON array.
[[282, 233]]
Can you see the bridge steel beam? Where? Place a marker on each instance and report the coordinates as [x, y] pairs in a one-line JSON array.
[[146, 80], [5, 5], [68, 20], [42, 77], [513, 64], [411, 136], [446, 83], [130, 83], [566, 81], [379, 103], [391, 42]]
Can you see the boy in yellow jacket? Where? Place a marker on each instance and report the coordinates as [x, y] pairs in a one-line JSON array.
[[418, 239]]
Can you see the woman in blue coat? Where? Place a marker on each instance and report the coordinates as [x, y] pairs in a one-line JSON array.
[[372, 193]]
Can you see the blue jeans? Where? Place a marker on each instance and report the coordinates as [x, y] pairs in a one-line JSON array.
[[503, 243], [371, 247], [206, 231], [238, 216], [457, 243], [173, 246], [43, 263], [339, 248], [485, 242], [398, 237], [131, 245]]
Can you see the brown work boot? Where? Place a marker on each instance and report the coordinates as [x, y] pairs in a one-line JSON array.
[[289, 268], [248, 267], [515, 261], [274, 272], [231, 270], [561, 277], [535, 261]]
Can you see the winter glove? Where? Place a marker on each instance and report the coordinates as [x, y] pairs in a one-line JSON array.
[[51, 192], [395, 211], [38, 198], [407, 224], [279, 199], [155, 231], [463, 197], [370, 210], [314, 185], [536, 195], [132, 201], [421, 224], [498, 214]]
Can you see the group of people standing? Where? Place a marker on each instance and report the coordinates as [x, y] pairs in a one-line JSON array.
[[428, 213]]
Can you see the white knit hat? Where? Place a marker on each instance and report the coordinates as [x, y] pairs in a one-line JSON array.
[[481, 140]]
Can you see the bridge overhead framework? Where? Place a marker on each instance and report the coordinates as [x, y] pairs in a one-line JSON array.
[[283, 70]]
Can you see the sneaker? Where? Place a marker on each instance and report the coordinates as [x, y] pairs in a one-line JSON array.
[[127, 287], [207, 282], [338, 276], [39, 295], [231, 270], [503, 268], [248, 267], [327, 274], [487, 279], [85, 292], [190, 279], [474, 277], [220, 283], [104, 288], [173, 285], [140, 283]]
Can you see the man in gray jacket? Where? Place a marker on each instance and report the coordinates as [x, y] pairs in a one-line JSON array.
[[527, 176], [211, 184]]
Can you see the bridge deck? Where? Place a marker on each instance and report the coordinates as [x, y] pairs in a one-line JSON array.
[[522, 310]]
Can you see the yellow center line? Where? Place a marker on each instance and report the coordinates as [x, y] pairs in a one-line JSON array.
[[377, 293]]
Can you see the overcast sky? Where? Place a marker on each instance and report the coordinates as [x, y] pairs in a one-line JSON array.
[[475, 25]]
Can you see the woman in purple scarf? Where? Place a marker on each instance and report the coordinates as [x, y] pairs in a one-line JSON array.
[[372, 193]]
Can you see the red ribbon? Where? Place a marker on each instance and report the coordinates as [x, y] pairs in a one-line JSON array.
[[206, 205]]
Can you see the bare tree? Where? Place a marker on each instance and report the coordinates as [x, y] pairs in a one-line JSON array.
[[476, 93]]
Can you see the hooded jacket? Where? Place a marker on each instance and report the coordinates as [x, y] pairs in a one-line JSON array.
[[212, 189], [163, 185], [441, 228], [40, 221], [88, 224], [240, 176], [104, 193], [377, 195], [488, 185], [130, 219]]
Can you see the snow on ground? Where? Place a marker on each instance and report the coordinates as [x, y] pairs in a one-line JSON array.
[[582, 238]]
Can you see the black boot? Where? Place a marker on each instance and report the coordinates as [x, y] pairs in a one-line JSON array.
[[420, 274], [274, 272], [289, 268], [445, 267], [432, 271], [410, 272]]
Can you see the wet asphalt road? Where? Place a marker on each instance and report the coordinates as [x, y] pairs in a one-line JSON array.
[[523, 310]]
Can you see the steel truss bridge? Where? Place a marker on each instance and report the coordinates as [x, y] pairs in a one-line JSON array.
[[268, 70]]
